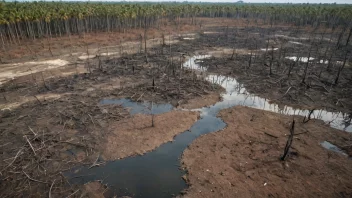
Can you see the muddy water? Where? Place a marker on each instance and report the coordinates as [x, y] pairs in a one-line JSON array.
[[236, 94], [157, 173], [134, 107]]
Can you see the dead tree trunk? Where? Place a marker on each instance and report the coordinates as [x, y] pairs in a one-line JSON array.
[[250, 59], [271, 61], [341, 68], [145, 41], [349, 36], [141, 43], [145, 45], [289, 140], [307, 118], [307, 64]]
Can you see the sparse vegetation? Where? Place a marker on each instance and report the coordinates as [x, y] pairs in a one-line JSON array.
[[62, 59]]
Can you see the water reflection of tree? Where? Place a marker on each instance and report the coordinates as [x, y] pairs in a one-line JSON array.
[[347, 120]]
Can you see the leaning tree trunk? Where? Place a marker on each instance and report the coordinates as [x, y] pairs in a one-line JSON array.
[[341, 68]]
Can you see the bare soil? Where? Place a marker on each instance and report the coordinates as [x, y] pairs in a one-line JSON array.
[[50, 124], [244, 158], [51, 119], [143, 133], [202, 101], [59, 46], [317, 91]]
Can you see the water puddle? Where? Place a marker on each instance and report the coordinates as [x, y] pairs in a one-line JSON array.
[[290, 37], [144, 108], [327, 62], [297, 43], [157, 173], [236, 94], [302, 59], [188, 35], [332, 147], [212, 32], [269, 49], [188, 38], [193, 62], [85, 57], [324, 62]]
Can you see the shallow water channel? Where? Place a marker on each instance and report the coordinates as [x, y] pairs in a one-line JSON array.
[[157, 173]]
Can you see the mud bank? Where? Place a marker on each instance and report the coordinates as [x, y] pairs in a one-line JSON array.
[[243, 159], [143, 133]]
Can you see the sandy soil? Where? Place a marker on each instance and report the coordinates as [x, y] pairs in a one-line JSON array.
[[137, 135], [74, 61], [202, 101], [52, 121], [93, 190], [59, 124], [243, 159], [75, 44]]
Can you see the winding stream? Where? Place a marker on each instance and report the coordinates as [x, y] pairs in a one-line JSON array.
[[157, 173]]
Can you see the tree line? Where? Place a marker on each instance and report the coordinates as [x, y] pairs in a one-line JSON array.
[[32, 20]]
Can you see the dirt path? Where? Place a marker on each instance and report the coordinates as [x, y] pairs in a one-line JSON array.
[[243, 159], [59, 123], [74, 60]]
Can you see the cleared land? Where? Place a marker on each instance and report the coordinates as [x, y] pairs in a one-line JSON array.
[[52, 118]]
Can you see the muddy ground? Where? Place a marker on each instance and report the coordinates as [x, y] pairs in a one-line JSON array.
[[143, 133], [73, 45], [52, 119], [49, 125], [247, 53], [244, 158]]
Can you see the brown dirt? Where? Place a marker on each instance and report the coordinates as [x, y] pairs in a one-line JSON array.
[[136, 135], [202, 101], [318, 90], [243, 159], [64, 123], [57, 108], [316, 95], [93, 190], [77, 44], [61, 46]]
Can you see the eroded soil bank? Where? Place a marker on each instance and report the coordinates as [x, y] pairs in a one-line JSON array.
[[143, 133], [53, 119], [272, 64], [244, 158], [49, 125]]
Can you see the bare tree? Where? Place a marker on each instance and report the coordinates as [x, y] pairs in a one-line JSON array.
[[289, 140]]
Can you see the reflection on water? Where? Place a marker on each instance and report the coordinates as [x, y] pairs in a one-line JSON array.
[[332, 147], [134, 107], [193, 62], [157, 173], [236, 94]]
